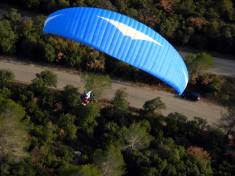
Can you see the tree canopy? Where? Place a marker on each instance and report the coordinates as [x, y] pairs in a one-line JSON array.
[[13, 132]]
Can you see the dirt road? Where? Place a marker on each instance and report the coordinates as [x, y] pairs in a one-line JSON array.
[[137, 95]]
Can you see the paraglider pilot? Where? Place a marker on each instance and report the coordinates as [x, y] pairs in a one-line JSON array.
[[86, 98]]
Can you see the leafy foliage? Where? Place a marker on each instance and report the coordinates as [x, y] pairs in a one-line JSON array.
[[198, 63], [119, 101], [8, 37], [5, 77], [87, 117], [110, 161], [42, 81], [13, 133], [66, 138], [96, 83], [70, 98], [137, 136], [82, 170], [68, 129], [154, 105], [227, 122], [48, 78]]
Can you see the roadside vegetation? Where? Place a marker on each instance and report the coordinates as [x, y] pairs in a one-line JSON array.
[[217, 88], [45, 131]]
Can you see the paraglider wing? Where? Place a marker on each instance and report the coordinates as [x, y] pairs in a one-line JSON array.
[[123, 38]]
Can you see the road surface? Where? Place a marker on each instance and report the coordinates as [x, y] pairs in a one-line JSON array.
[[137, 95]]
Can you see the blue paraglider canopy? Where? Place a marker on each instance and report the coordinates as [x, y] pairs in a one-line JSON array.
[[123, 38]]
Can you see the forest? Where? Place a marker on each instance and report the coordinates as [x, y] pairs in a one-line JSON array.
[[199, 24], [44, 131]]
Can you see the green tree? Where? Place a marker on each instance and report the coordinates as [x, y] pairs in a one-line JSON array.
[[175, 124], [96, 83], [14, 17], [224, 168], [87, 117], [104, 4], [213, 29], [137, 136], [27, 31], [42, 81], [132, 12], [6, 77], [63, 3], [50, 53], [31, 3], [168, 26], [119, 101], [113, 134], [81, 170], [110, 162], [88, 170], [166, 158], [226, 8], [138, 4], [45, 134], [121, 5], [8, 37], [213, 84], [5, 92], [48, 78], [13, 133], [227, 122], [154, 105], [68, 128], [198, 63], [20, 168], [70, 98], [180, 162], [186, 7]]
